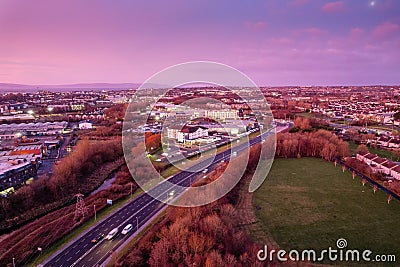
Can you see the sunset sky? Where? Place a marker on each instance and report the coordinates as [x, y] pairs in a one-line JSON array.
[[293, 42]]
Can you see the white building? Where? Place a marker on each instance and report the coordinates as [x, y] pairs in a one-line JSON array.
[[172, 132], [189, 133], [221, 114], [85, 125]]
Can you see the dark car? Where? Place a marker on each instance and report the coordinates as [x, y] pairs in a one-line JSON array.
[[97, 239]]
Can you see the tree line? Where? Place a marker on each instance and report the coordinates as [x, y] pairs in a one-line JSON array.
[[321, 143]]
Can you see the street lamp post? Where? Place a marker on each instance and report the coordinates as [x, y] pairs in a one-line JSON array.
[[13, 262], [137, 224], [131, 189], [95, 215]]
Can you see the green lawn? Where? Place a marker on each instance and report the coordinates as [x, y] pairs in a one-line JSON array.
[[306, 114], [309, 204]]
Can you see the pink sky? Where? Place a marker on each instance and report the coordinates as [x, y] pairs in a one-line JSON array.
[[296, 42]]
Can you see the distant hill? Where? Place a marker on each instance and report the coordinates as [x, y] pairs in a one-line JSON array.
[[11, 87], [19, 88]]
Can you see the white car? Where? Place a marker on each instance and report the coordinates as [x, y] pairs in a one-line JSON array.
[[112, 234], [205, 170], [127, 229]]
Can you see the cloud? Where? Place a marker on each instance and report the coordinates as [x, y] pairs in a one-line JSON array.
[[298, 3], [356, 34], [312, 32], [257, 25], [385, 30], [334, 7], [385, 6]]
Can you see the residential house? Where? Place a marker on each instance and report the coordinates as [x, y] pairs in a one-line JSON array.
[[369, 158], [361, 155], [396, 172], [376, 164], [383, 141], [388, 167], [394, 143]]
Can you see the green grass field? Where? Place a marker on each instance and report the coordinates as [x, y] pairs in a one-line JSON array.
[[306, 115], [309, 204]]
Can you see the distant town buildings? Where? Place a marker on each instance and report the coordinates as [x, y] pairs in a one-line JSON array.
[[33, 125], [16, 130]]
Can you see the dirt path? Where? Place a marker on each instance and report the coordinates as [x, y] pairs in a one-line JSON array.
[[250, 223]]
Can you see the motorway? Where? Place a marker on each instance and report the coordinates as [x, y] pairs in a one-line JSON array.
[[81, 252]]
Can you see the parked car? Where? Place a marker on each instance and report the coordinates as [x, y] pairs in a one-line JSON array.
[[112, 233], [127, 229]]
